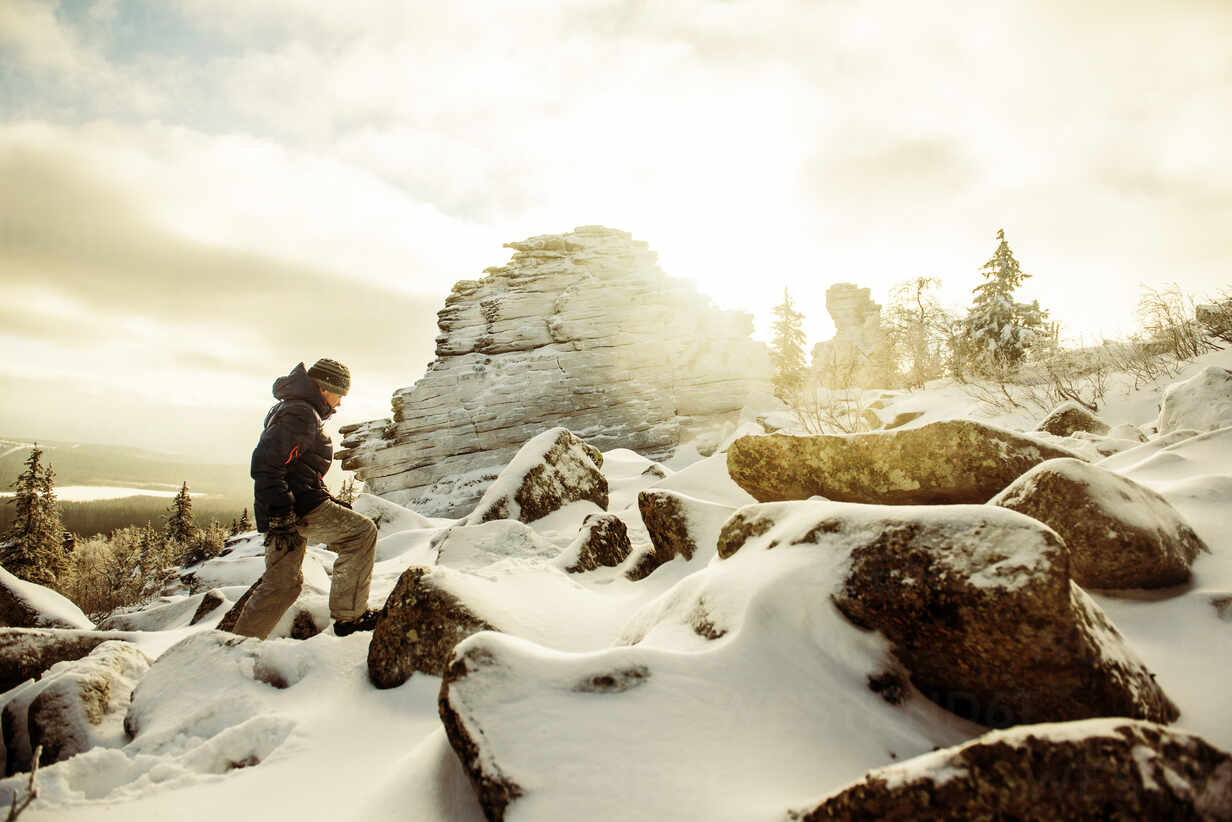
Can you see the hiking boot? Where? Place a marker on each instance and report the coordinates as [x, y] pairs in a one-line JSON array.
[[364, 622]]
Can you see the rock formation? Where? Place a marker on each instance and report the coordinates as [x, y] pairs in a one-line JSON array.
[[858, 336], [582, 330]]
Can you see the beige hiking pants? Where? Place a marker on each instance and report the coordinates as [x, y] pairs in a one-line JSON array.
[[350, 535]]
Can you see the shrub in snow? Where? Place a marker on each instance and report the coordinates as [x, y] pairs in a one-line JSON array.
[[602, 542], [418, 628], [548, 472], [27, 605], [976, 601], [1202, 402], [1069, 417], [950, 461], [1095, 769], [1120, 534], [26, 653]]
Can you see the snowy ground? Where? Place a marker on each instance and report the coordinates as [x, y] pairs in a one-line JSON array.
[[330, 746]]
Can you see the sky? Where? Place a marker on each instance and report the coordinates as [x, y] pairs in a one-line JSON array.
[[198, 194]]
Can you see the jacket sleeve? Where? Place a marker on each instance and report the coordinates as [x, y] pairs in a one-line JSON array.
[[279, 446]]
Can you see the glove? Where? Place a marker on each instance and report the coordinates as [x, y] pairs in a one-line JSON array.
[[282, 533]]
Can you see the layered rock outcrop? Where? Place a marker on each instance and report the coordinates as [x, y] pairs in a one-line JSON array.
[[580, 329]]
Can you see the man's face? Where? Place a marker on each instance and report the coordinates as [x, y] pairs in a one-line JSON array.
[[331, 399]]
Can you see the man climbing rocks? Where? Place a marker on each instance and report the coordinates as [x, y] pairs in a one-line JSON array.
[[293, 506]]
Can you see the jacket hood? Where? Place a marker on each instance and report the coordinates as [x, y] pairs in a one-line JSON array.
[[299, 386]]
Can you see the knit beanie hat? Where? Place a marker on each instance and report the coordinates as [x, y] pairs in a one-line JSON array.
[[331, 375]]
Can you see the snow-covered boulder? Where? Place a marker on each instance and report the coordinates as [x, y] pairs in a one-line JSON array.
[[679, 526], [389, 517], [212, 695], [25, 653], [1202, 402], [1120, 534], [418, 628], [746, 692], [975, 599], [306, 617], [1094, 769], [603, 541], [431, 609], [175, 614], [472, 547], [548, 472], [950, 461], [210, 602], [1070, 417], [81, 704], [28, 605]]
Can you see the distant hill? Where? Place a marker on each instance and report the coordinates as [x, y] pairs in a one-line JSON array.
[[78, 463]]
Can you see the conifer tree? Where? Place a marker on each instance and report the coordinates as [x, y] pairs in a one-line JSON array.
[[245, 524], [787, 351], [33, 548], [180, 526], [996, 325]]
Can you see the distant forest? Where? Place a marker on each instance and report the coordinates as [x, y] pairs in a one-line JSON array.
[[85, 519]]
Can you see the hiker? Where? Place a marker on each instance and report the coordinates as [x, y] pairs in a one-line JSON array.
[[293, 506]]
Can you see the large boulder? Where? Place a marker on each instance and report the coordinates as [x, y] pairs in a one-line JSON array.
[[418, 628], [81, 705], [550, 471], [1120, 534], [976, 600], [28, 605], [1095, 769], [25, 653], [602, 542], [951, 461], [1202, 402], [1069, 418]]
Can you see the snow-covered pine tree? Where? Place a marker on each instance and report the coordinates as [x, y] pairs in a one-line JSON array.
[[997, 327], [33, 548], [787, 351], [180, 526], [245, 523]]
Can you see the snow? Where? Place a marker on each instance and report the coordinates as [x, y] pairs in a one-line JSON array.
[[770, 715]]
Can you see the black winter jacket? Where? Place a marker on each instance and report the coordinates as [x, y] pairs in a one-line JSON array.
[[294, 452]]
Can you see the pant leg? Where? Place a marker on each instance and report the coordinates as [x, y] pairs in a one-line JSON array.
[[277, 589], [352, 536]]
